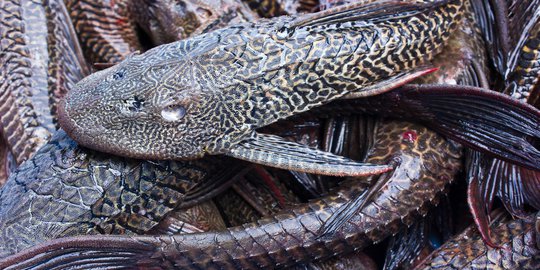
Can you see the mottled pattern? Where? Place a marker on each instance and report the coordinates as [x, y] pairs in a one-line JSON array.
[[354, 261], [171, 20], [250, 200], [204, 216], [206, 94], [463, 60], [40, 60], [66, 190], [266, 197], [106, 29], [425, 166], [468, 251]]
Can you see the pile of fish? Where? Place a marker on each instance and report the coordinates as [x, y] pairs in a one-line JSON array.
[[228, 134]]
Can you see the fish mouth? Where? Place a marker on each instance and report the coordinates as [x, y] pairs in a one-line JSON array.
[[94, 138], [63, 118]]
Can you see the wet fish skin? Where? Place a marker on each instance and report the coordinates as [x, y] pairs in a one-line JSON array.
[[206, 94]]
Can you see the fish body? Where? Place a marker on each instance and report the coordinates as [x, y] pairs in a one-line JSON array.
[[468, 250], [66, 190], [274, 8], [524, 62], [167, 21], [291, 236], [206, 94]]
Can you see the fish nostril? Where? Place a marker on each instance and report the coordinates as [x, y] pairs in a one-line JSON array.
[[118, 75], [134, 104]]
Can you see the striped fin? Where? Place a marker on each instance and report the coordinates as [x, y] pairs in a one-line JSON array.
[[276, 152]]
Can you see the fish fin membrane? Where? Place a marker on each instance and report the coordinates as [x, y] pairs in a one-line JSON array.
[[531, 184], [343, 214], [483, 120], [274, 151], [515, 186], [515, 182], [481, 190], [522, 17], [405, 246], [371, 12], [346, 211], [493, 23], [214, 185]]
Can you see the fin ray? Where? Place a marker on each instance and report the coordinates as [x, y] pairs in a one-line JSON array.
[[274, 151]]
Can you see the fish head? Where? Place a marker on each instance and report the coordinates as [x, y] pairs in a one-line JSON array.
[[140, 108]]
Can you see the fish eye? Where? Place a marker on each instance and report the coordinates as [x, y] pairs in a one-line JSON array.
[[173, 113], [118, 75]]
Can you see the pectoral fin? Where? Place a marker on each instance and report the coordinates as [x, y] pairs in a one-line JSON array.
[[276, 152]]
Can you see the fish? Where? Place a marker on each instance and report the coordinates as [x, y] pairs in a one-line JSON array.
[[516, 75], [208, 94], [468, 250], [66, 190], [273, 8]]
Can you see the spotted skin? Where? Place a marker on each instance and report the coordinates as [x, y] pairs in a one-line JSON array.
[[468, 251], [424, 167], [40, 61], [206, 94]]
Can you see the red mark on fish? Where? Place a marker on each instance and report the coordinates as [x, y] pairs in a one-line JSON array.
[[409, 136]]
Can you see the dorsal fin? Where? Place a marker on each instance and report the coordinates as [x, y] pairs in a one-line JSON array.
[[375, 11]]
